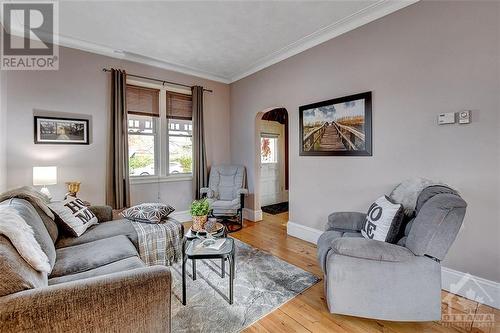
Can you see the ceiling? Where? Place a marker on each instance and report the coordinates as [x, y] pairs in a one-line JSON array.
[[218, 40]]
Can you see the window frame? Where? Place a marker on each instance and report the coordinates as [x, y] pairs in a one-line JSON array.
[[162, 153]]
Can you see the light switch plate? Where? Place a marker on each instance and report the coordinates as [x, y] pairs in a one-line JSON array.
[[446, 118], [464, 117]]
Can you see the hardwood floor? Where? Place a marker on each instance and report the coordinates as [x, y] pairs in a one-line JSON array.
[[308, 311]]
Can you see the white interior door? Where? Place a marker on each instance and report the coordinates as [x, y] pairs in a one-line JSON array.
[[270, 182]]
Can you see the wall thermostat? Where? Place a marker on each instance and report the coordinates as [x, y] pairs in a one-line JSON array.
[[446, 118], [464, 117]]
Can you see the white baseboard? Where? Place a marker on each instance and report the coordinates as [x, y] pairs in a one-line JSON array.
[[472, 287], [303, 232], [466, 285], [252, 215], [181, 216]]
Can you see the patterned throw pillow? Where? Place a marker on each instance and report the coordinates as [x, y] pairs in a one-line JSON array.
[[148, 212], [383, 220], [73, 215]]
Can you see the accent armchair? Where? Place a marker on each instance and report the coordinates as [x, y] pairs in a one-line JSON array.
[[226, 194], [399, 282]]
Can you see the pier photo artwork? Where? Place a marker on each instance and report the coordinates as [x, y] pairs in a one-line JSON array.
[[337, 127]]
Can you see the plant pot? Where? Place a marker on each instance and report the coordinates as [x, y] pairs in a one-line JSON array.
[[199, 222]]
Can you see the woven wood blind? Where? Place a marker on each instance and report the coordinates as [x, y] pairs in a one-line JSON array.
[[179, 106], [143, 101]]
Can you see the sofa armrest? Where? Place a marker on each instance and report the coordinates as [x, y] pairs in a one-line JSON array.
[[370, 249], [241, 191], [346, 221], [137, 300], [103, 213], [205, 190]]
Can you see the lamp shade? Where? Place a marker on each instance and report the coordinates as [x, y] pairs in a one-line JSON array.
[[43, 176]]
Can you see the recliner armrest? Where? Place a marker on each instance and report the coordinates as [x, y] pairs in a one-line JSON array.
[[207, 191], [370, 249], [346, 221], [129, 301], [242, 191]]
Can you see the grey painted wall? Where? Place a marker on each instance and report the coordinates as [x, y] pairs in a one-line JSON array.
[[81, 87], [429, 58]]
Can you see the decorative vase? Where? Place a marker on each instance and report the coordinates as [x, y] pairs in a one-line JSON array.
[[199, 222]]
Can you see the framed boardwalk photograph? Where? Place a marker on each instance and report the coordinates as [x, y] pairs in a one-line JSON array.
[[337, 127]]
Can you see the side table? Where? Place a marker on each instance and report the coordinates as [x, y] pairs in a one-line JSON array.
[[226, 252]]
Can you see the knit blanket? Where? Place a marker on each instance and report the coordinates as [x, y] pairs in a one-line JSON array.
[[160, 244]]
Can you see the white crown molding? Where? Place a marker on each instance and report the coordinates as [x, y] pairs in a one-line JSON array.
[[351, 22], [124, 55]]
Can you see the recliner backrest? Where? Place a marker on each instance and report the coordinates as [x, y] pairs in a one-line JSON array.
[[225, 180], [439, 215]]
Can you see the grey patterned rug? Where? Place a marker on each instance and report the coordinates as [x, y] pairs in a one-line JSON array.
[[263, 283]]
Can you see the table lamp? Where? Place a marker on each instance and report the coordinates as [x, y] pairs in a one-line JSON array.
[[43, 176]]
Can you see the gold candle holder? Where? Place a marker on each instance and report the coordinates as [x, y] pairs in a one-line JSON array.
[[73, 188]]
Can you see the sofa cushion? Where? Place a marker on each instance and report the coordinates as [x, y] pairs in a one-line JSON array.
[[84, 257], [114, 267], [73, 215], [50, 224], [101, 231], [30, 215], [15, 273]]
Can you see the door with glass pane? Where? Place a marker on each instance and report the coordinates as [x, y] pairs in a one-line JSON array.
[[269, 169]]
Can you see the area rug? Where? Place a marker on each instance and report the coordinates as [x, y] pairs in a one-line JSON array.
[[263, 283], [276, 208]]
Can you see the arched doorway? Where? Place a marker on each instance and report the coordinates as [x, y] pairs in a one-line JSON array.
[[272, 160]]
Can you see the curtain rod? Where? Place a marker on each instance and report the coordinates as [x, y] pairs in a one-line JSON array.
[[157, 80]]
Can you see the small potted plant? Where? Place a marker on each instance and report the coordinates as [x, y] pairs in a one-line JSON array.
[[199, 212]]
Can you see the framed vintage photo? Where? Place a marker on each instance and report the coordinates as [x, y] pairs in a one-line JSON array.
[[337, 127], [55, 130]]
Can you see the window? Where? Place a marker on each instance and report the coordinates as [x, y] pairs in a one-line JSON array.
[[159, 134], [180, 146], [268, 149], [141, 145], [180, 133]]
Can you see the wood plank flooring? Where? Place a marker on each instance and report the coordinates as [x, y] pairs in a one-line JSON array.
[[308, 311]]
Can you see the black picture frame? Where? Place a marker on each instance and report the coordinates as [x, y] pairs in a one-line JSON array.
[[349, 137], [59, 123]]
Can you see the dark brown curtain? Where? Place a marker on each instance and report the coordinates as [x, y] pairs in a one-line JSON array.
[[117, 176], [200, 172]]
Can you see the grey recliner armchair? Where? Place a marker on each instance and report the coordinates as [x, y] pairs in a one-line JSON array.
[[399, 282], [226, 194]]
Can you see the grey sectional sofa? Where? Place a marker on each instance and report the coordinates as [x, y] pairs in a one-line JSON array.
[[97, 282], [400, 282]]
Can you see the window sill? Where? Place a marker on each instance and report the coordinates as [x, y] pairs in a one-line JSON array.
[[155, 180]]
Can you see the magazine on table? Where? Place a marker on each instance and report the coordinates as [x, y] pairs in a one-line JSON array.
[[211, 244]]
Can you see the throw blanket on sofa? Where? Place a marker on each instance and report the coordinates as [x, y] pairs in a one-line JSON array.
[[22, 237], [159, 244], [31, 195]]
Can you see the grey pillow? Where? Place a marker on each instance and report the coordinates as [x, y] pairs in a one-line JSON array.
[[148, 212]]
